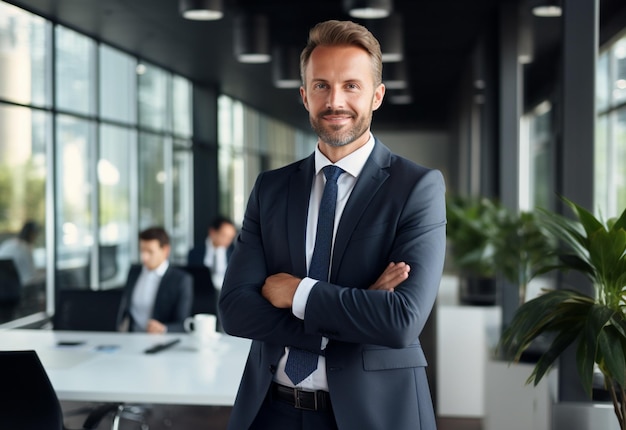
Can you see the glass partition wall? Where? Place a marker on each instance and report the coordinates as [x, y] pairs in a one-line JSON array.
[[95, 145]]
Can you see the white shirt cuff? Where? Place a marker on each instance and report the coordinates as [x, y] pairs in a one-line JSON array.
[[302, 295]]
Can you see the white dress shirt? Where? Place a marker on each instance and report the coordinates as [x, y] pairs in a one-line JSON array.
[[216, 260], [22, 254], [144, 295], [352, 164]]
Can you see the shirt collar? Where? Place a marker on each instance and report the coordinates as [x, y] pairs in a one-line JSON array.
[[352, 163], [159, 271]]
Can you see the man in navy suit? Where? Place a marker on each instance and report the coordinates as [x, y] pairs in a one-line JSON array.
[[216, 250], [363, 323], [157, 297]]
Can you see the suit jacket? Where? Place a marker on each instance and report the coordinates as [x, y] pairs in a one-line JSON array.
[[196, 255], [374, 362], [173, 300]]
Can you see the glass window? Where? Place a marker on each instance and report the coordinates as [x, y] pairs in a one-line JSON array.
[[118, 86], [153, 98], [620, 165], [602, 82], [24, 59], [610, 140], [152, 178], [115, 220], [619, 54], [182, 177], [250, 142], [74, 211], [181, 100], [75, 72], [24, 138]]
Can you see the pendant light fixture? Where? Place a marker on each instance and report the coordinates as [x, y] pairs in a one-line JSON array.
[[368, 9], [201, 10], [252, 39], [390, 34], [286, 67], [547, 9], [395, 76]]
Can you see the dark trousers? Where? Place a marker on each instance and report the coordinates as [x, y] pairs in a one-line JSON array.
[[278, 415]]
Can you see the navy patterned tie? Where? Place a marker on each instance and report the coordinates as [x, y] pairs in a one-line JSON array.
[[301, 363]]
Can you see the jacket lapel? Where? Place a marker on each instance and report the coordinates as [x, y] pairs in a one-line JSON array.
[[371, 178], [297, 212]]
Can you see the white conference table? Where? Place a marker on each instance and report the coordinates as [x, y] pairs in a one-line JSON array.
[[112, 367]]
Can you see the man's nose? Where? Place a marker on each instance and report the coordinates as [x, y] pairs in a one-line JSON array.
[[335, 99]]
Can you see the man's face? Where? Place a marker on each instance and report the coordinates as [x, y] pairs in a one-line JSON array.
[[152, 254], [223, 236], [340, 94]]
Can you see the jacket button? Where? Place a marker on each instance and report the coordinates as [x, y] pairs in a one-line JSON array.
[[272, 369]]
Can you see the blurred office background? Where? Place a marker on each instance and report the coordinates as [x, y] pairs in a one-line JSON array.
[[116, 115]]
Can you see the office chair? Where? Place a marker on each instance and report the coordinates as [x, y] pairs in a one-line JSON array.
[[204, 293], [95, 310], [87, 310], [10, 285], [27, 399], [108, 262]]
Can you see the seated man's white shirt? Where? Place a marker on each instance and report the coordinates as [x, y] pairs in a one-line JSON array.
[[352, 164], [144, 295], [216, 260], [22, 255]]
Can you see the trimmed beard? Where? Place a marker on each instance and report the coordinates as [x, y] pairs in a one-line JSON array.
[[333, 135]]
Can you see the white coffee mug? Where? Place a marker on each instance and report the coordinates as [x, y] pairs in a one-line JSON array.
[[201, 326]]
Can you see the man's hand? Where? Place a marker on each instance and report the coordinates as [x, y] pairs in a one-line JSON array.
[[155, 326], [393, 275], [279, 289]]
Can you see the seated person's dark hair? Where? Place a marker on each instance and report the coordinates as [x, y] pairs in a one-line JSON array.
[[29, 231], [219, 220], [155, 233]]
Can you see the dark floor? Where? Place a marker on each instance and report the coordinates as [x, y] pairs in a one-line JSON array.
[[162, 417]]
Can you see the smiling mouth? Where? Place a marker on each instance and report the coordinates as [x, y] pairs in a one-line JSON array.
[[336, 115]]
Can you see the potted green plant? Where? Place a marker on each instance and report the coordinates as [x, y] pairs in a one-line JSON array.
[[487, 240], [523, 247], [472, 225], [597, 324]]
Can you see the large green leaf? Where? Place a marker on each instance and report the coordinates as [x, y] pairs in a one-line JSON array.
[[597, 318], [611, 355], [620, 223], [554, 310], [564, 339], [586, 218]]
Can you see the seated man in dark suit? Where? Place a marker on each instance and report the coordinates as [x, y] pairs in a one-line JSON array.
[[215, 251], [157, 297]]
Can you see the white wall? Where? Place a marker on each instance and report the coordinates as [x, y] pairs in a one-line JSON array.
[[430, 149]]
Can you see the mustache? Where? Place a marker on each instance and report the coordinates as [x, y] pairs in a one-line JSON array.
[[336, 112]]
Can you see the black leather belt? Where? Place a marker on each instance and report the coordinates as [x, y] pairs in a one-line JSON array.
[[299, 399]]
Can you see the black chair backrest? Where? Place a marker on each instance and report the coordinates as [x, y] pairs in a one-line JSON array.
[[87, 310], [27, 398], [108, 262], [10, 285], [204, 293]]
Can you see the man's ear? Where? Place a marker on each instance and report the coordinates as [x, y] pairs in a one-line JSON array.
[[305, 100], [379, 94]]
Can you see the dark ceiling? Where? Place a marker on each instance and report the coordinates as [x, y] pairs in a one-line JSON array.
[[438, 38]]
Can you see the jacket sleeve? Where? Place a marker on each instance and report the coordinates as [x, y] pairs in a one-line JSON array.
[[244, 312]]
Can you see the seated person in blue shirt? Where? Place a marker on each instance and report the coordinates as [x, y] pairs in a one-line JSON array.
[[157, 297]]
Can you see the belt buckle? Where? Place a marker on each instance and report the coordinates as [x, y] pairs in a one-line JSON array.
[[297, 402]]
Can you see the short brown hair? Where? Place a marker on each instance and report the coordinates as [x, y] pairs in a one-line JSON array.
[[337, 33], [155, 233]]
